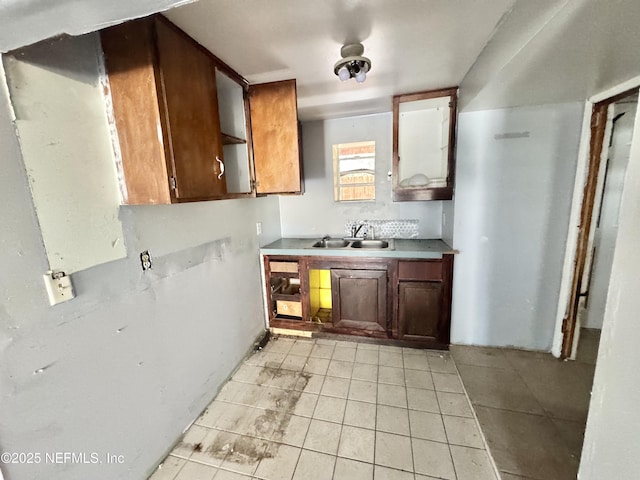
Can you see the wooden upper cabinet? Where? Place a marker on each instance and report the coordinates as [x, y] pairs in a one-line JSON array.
[[163, 92], [191, 103], [276, 140], [130, 60], [424, 140]]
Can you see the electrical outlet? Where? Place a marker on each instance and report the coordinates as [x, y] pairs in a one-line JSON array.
[[59, 287], [259, 228], [145, 260]]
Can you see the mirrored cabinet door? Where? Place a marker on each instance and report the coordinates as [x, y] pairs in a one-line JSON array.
[[424, 128]]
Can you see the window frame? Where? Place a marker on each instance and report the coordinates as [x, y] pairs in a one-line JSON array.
[[338, 175]]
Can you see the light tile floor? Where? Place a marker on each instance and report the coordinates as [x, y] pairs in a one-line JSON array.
[[321, 409]]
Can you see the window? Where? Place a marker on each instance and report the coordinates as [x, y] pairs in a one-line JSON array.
[[354, 171]]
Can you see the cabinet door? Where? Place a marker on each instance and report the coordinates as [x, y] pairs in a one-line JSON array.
[[129, 54], [274, 129], [188, 78], [424, 135], [419, 309], [359, 299]]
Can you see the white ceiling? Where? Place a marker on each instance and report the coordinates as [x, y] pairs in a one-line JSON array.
[[502, 53], [413, 45]]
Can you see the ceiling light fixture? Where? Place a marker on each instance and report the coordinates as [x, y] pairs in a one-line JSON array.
[[352, 64]]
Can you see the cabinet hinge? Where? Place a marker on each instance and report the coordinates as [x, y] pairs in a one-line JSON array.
[[173, 183]]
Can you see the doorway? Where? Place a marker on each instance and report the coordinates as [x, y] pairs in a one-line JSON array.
[[612, 124]]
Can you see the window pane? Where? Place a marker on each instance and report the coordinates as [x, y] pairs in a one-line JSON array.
[[354, 171]]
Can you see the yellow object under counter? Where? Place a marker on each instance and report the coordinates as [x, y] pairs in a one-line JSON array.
[[319, 290]]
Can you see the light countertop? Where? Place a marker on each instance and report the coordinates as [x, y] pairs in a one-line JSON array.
[[403, 248]]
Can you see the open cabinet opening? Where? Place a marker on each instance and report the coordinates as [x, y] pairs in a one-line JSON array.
[[320, 296]]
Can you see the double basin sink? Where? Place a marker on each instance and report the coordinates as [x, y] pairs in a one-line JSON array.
[[353, 243]]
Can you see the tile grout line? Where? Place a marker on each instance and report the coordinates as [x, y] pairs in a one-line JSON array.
[[546, 413], [475, 417], [308, 428], [299, 374], [444, 427], [406, 393]]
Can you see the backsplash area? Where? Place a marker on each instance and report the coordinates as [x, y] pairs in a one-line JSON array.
[[384, 228]]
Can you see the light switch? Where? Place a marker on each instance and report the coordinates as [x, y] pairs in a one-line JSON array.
[[259, 228], [59, 287]]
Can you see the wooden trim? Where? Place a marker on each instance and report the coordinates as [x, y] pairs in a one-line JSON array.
[[392, 295], [596, 144], [598, 127], [451, 158], [249, 136], [444, 327], [414, 97], [396, 156], [267, 287], [416, 194], [303, 269]]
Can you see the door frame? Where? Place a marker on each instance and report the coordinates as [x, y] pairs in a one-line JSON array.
[[579, 238]]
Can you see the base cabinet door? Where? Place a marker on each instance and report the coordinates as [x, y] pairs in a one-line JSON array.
[[419, 309], [423, 298], [359, 299]]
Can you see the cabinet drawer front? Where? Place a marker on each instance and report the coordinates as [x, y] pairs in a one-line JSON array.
[[427, 270], [284, 267], [293, 309]]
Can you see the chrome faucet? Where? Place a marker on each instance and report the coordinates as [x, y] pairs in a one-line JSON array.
[[355, 230], [370, 233]]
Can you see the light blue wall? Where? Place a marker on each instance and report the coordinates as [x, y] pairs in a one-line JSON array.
[[134, 358], [514, 181], [316, 213]]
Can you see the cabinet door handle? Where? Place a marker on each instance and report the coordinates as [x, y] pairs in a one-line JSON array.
[[221, 168]]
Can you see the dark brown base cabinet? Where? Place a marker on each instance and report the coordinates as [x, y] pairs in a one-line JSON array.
[[359, 299], [424, 299], [419, 309], [399, 301]]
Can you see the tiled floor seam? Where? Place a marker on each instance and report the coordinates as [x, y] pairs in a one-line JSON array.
[[455, 472], [406, 394], [304, 440], [519, 475], [475, 417], [524, 382], [544, 414]]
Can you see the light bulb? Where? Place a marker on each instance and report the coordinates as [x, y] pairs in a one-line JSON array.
[[361, 76], [344, 74]]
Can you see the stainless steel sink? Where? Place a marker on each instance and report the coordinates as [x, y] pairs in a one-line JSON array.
[[370, 244], [331, 243]]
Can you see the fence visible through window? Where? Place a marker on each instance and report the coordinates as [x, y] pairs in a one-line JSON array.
[[354, 171]]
